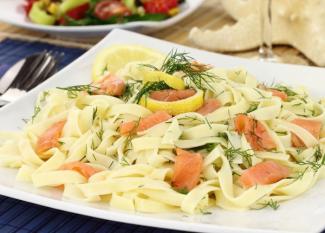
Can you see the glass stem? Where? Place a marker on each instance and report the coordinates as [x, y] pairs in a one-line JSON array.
[[265, 50]]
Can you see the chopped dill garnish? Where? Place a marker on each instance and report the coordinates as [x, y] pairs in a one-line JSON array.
[[130, 90], [318, 153], [223, 135], [111, 164], [150, 66], [285, 89], [100, 133], [44, 96], [73, 91], [208, 122], [208, 147], [301, 174], [193, 119], [315, 166], [131, 135], [258, 91], [149, 87], [37, 110], [252, 107], [205, 212], [182, 190], [231, 153], [124, 162], [319, 157], [281, 133], [272, 204], [95, 110]]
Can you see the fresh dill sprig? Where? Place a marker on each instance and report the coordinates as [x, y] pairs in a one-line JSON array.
[[285, 89], [95, 110], [181, 62], [208, 147], [131, 135], [272, 204], [301, 174], [318, 154], [182, 190], [45, 94], [37, 110], [223, 135], [258, 91], [205, 212], [150, 66], [73, 91], [281, 133], [124, 162], [231, 153], [149, 87], [252, 107], [319, 161], [208, 122], [130, 90], [100, 133], [315, 166]]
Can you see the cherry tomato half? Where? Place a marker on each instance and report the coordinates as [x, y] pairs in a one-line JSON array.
[[107, 8]]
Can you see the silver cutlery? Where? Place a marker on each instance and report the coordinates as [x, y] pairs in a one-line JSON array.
[[27, 74]]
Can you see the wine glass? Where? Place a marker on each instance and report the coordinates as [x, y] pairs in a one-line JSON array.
[[265, 50]]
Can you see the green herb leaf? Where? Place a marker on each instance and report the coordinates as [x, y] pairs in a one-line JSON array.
[[73, 91], [149, 87]]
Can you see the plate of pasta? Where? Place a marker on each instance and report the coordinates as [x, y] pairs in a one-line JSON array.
[[172, 137]]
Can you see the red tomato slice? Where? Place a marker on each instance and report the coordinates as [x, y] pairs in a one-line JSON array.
[[28, 5], [107, 8], [78, 12]]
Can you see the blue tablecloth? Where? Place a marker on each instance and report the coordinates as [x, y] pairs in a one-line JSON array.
[[22, 217]]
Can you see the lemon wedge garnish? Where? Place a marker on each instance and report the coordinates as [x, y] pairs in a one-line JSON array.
[[116, 57], [156, 76], [190, 104]]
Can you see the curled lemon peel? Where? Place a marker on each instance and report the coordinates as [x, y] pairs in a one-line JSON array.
[[190, 104], [156, 76]]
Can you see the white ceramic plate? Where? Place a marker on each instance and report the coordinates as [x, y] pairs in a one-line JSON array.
[[11, 12], [303, 214]]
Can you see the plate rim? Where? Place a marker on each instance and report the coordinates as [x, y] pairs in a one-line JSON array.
[[124, 217]]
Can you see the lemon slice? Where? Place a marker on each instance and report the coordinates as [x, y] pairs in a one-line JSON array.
[[156, 76], [190, 104], [116, 57]]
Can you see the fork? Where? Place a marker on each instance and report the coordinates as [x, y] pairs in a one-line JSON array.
[[33, 72]]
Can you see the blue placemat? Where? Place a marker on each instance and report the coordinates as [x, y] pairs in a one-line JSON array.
[[22, 217], [12, 51]]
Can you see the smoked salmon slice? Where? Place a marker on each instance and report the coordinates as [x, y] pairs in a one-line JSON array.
[[263, 173], [187, 169], [83, 168], [111, 85], [170, 95], [282, 95], [50, 138], [255, 133], [312, 126], [145, 123], [210, 105]]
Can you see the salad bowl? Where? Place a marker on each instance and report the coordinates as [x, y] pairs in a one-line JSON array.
[[15, 15]]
